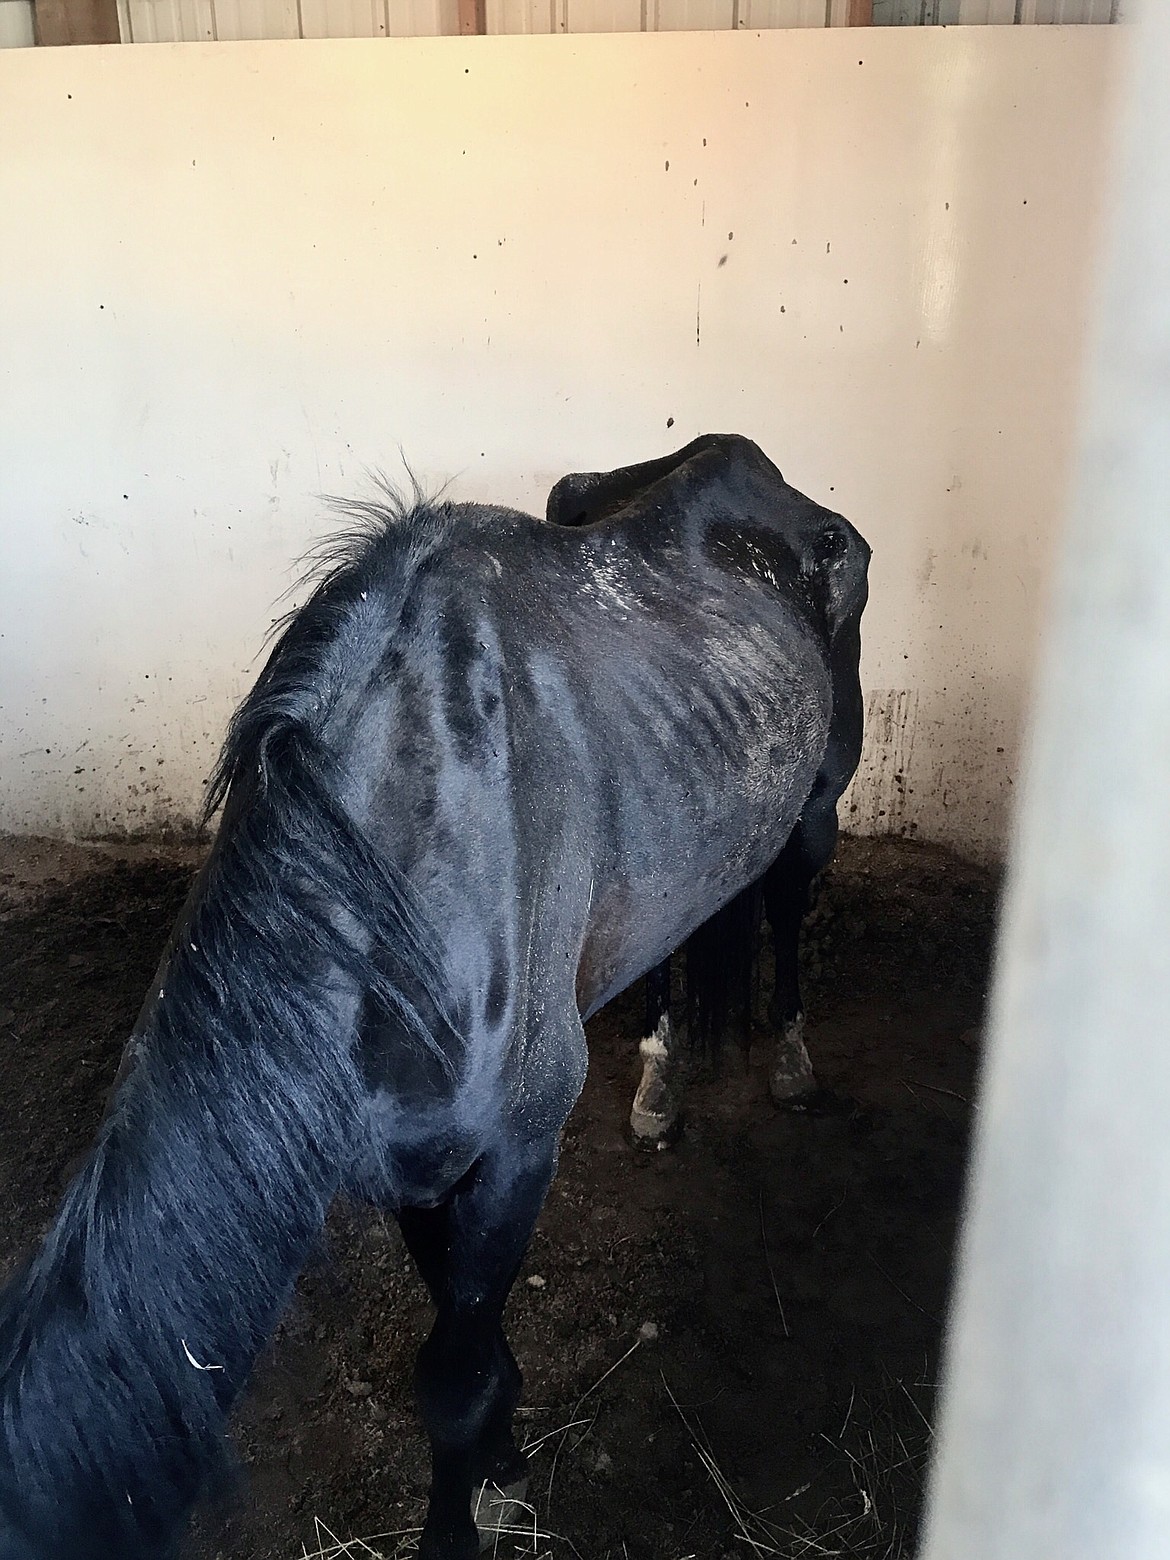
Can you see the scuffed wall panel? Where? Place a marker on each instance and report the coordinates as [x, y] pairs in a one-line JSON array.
[[689, 15], [524, 16], [900, 13], [781, 13], [586, 16], [167, 21], [422, 18], [974, 13], [343, 18], [16, 24], [978, 13], [1066, 12], [255, 19], [174, 21]]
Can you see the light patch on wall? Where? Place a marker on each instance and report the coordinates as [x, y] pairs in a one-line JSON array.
[[951, 84]]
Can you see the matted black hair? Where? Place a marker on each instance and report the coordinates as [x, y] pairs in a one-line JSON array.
[[126, 1338]]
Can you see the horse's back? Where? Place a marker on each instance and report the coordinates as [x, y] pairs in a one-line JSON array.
[[578, 741]]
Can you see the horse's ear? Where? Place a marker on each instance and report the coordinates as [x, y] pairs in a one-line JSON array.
[[569, 501], [837, 560], [583, 497]]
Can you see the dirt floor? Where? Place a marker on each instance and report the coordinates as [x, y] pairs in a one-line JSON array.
[[730, 1348]]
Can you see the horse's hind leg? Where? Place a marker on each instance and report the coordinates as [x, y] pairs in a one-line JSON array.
[[654, 1116], [786, 895], [467, 1380]]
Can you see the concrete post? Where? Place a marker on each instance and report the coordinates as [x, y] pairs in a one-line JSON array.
[[1055, 1430]]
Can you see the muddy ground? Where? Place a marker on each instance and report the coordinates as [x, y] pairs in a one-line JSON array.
[[740, 1335]]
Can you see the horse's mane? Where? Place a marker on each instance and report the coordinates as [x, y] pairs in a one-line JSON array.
[[129, 1334], [365, 567]]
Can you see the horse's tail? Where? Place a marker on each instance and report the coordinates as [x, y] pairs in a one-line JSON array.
[[129, 1334]]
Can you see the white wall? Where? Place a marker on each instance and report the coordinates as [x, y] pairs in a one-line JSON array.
[[235, 276]]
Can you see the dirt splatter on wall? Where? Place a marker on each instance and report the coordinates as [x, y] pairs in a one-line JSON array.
[[879, 274]]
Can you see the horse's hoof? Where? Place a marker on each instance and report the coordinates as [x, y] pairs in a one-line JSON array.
[[791, 1086], [437, 1543], [499, 1466], [791, 1080], [500, 1512], [654, 1115], [655, 1129], [802, 1098]]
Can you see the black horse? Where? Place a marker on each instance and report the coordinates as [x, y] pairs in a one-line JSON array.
[[721, 954], [493, 771]]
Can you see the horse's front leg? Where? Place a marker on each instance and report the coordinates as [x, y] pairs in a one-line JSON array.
[[786, 898], [427, 1233], [467, 1381]]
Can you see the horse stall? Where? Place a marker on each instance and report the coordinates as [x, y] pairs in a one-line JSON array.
[[245, 274]]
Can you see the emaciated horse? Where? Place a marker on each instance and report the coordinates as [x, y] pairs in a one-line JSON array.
[[720, 954], [492, 772]]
